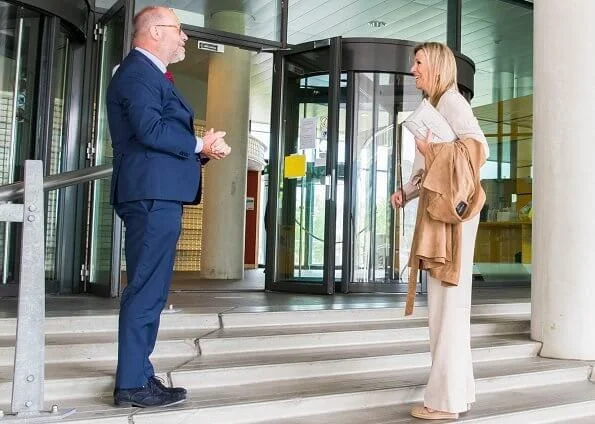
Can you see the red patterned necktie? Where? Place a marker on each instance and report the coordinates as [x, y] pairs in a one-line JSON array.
[[169, 76]]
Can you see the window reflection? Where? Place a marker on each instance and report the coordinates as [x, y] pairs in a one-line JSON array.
[[19, 41], [503, 103], [102, 224], [104, 4], [57, 142]]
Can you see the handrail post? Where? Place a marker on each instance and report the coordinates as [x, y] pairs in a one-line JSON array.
[[28, 379], [27, 385]]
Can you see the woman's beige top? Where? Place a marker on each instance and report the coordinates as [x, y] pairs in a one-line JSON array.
[[457, 111]]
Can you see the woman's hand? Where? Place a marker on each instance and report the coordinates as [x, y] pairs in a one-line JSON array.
[[397, 199], [423, 145]]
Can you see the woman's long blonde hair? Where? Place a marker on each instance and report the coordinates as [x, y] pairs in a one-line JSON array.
[[443, 68]]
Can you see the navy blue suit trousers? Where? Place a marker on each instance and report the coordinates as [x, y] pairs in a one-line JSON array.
[[152, 231]]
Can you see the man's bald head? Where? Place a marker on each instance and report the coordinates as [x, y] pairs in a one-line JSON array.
[[147, 17], [157, 30]]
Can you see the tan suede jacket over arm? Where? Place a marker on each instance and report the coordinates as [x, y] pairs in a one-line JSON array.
[[450, 182]]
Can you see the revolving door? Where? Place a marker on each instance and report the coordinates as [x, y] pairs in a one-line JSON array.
[[338, 151]]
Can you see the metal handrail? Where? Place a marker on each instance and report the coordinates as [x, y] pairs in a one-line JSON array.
[[28, 382], [14, 191]]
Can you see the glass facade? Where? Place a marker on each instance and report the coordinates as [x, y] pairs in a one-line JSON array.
[[495, 34], [498, 37]]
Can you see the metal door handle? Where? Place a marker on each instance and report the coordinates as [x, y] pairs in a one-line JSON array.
[[328, 183]]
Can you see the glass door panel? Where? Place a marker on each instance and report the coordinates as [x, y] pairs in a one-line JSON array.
[[302, 208], [334, 223], [405, 218], [20, 33], [380, 241], [306, 210], [340, 199], [373, 170], [363, 165], [102, 240], [54, 156]]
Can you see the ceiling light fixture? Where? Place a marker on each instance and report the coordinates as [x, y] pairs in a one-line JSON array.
[[377, 24]]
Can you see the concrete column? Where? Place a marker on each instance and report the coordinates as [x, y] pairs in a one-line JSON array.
[[224, 204], [563, 290]]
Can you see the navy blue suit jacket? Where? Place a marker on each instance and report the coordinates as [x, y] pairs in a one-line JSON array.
[[152, 132]]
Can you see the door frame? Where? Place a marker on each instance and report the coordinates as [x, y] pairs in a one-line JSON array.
[[281, 60], [111, 288]]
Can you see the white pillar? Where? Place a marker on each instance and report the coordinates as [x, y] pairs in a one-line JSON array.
[[224, 198], [563, 286]]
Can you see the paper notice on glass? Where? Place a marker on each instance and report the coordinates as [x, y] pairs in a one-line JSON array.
[[320, 159], [425, 117], [308, 133]]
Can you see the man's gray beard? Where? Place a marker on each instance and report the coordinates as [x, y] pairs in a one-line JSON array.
[[179, 56]]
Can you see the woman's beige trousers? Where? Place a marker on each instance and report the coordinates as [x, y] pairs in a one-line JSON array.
[[451, 387]]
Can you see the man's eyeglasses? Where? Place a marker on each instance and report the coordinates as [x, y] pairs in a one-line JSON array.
[[178, 27]]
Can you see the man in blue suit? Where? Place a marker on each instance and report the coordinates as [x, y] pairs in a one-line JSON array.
[[157, 164]]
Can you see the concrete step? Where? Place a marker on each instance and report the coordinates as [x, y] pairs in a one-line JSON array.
[[587, 419], [568, 403], [94, 337], [103, 346], [96, 378], [238, 369], [64, 381], [267, 317], [360, 366], [533, 391], [366, 366], [260, 339], [98, 410], [296, 398], [109, 323]]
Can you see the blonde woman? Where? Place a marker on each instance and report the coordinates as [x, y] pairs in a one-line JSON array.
[[451, 387]]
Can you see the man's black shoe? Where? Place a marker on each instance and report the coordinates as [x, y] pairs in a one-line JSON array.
[[147, 396], [159, 383]]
